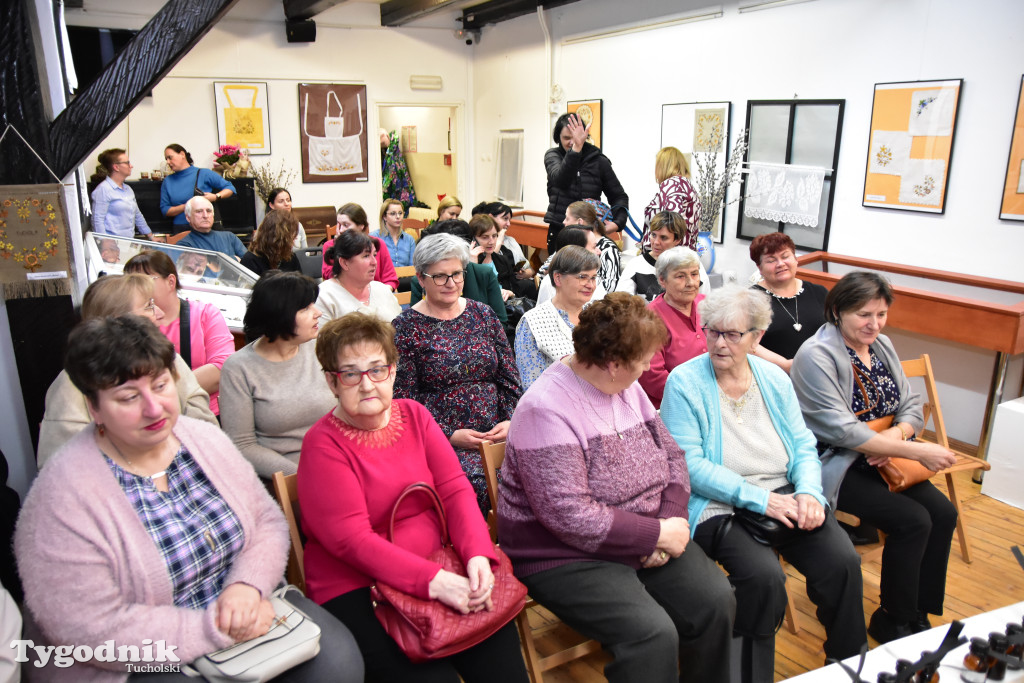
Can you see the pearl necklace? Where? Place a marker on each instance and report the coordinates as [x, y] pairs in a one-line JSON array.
[[738, 404], [796, 306]]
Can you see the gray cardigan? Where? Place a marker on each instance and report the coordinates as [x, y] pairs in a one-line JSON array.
[[822, 375]]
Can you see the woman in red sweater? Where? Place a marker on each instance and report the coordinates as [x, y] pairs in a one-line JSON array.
[[355, 462]]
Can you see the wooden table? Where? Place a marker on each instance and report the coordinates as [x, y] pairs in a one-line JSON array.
[[532, 233], [978, 311]]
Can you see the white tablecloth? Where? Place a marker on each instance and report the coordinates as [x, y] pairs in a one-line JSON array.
[[883, 657]]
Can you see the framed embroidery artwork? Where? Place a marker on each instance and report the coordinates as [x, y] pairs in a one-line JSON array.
[[332, 132], [243, 117], [911, 144], [700, 130], [1012, 208], [590, 112]]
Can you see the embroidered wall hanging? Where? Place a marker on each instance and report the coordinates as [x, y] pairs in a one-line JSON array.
[[923, 181], [33, 241], [890, 150], [243, 116], [332, 132], [784, 193], [931, 112]]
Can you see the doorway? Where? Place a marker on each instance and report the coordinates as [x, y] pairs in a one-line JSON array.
[[428, 140]]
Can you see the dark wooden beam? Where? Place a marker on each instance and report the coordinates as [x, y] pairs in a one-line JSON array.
[[495, 11], [399, 12], [21, 99], [143, 62], [300, 10]]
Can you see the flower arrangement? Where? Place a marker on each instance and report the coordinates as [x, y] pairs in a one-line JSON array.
[[711, 186], [267, 179], [227, 154]]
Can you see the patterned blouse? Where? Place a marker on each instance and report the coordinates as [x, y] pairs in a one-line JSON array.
[[675, 194], [883, 394], [463, 371], [196, 531]]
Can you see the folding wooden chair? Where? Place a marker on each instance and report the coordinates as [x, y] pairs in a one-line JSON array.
[[286, 491], [404, 271], [493, 455]]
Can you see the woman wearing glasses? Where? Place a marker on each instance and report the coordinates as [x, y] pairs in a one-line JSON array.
[[748, 451], [271, 391], [678, 271], [67, 410], [456, 359], [399, 243], [544, 335], [355, 462], [114, 209]]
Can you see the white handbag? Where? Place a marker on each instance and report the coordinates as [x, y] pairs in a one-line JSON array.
[[293, 639]]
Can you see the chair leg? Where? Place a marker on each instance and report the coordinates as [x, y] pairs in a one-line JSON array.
[[961, 531], [529, 651], [792, 624]]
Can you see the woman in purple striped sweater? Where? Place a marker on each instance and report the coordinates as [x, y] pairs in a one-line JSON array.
[[593, 508]]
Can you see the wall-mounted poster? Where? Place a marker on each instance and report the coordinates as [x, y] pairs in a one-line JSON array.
[[1012, 208], [700, 128], [911, 144], [332, 132], [589, 112], [243, 117]]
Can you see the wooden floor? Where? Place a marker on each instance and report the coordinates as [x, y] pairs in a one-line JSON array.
[[992, 580]]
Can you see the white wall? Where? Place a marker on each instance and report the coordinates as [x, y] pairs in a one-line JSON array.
[[249, 44], [823, 49]]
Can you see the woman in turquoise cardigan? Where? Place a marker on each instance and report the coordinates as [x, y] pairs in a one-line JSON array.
[[747, 448]]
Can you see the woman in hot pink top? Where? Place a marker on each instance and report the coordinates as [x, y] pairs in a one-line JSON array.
[[353, 216], [210, 341]]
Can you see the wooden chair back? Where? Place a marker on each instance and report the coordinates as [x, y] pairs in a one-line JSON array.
[[413, 226], [287, 493], [406, 296], [174, 239]]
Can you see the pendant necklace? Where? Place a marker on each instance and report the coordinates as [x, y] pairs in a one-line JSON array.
[[796, 307], [737, 405], [131, 466]]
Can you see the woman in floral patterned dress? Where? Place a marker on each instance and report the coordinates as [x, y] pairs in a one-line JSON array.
[[455, 358], [675, 193]]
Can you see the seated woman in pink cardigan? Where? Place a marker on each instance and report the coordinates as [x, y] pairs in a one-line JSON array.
[[353, 217], [149, 526]]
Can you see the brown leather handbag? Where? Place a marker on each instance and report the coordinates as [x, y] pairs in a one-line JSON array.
[[899, 473], [429, 629]]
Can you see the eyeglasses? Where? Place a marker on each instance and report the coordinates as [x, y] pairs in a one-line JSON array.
[[585, 279], [150, 306], [395, 214], [731, 337], [440, 279], [350, 378]]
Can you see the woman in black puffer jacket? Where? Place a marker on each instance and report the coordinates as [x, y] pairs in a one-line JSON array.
[[578, 170]]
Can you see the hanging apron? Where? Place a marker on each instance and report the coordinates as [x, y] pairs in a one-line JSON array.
[[334, 154], [244, 125]]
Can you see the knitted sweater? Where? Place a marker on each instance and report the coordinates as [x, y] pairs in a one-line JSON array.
[[822, 375], [692, 411], [92, 571], [572, 489]]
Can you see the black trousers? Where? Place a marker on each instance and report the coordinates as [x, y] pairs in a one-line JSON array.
[[553, 230], [497, 659], [826, 558], [665, 624], [919, 525]]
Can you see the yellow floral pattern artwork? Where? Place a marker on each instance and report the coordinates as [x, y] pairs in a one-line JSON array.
[[31, 257], [708, 130]]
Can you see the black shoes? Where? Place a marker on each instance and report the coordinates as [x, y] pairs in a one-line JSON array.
[[921, 623], [884, 628]]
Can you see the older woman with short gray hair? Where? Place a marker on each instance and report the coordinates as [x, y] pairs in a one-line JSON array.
[[678, 271], [455, 357], [752, 459], [544, 334]]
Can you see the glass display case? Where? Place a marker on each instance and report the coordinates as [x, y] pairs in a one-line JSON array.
[[206, 276]]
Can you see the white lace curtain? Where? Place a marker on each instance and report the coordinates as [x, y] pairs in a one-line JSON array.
[[778, 192]]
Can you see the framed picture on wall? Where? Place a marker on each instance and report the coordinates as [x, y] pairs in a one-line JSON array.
[[792, 157], [332, 132], [243, 117], [911, 144], [1012, 208], [700, 130], [589, 112]]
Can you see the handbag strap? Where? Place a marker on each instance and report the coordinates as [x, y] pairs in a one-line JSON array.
[[857, 374], [421, 486], [185, 333]]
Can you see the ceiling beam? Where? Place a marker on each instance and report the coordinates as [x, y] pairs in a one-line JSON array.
[[400, 12], [143, 62], [495, 11], [300, 10]]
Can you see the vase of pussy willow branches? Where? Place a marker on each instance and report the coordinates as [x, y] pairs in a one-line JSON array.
[[710, 183]]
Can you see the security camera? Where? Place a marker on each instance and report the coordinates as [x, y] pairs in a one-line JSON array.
[[469, 35]]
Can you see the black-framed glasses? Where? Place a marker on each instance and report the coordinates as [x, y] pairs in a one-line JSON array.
[[440, 279], [350, 378], [731, 336]]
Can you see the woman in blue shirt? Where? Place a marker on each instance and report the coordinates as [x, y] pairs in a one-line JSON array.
[[114, 209], [400, 243], [183, 182]]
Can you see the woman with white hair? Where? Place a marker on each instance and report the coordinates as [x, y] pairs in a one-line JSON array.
[[544, 334], [754, 464], [455, 357], [678, 271]]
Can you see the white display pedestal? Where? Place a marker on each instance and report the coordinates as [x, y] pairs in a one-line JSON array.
[[883, 657], [1006, 454]]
